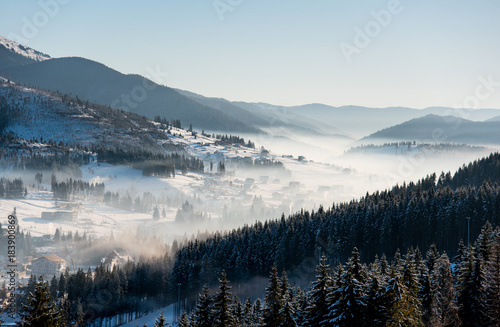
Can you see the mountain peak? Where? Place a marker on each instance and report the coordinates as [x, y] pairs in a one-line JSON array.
[[22, 50]]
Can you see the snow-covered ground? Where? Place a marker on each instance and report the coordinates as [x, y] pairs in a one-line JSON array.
[[150, 319], [300, 184], [95, 219]]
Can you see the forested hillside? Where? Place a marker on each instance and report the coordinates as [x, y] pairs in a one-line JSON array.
[[409, 291], [34, 114], [432, 210]]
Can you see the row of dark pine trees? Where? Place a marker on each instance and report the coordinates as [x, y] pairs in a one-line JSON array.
[[84, 298], [409, 291]]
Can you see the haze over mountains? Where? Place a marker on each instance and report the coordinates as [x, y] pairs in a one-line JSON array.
[[362, 121], [92, 81]]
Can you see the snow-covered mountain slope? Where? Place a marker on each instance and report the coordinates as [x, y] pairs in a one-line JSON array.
[[23, 50], [100, 84], [95, 82], [43, 115]]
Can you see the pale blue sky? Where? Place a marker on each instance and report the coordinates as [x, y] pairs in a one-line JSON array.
[[281, 52]]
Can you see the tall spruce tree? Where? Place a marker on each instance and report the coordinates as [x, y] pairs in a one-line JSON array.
[[184, 320], [443, 310], [223, 304], [287, 314], [257, 312], [375, 312], [411, 281], [347, 303], [248, 313], [301, 305], [493, 282], [425, 273], [237, 311], [484, 242], [400, 302], [317, 311], [41, 310], [471, 291], [273, 302], [161, 321], [202, 316]]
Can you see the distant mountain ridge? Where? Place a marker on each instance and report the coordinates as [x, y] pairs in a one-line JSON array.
[[95, 82], [227, 107], [438, 129], [364, 121], [273, 121], [92, 81]]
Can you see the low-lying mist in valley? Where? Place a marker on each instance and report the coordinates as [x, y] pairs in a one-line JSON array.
[[120, 206], [372, 165]]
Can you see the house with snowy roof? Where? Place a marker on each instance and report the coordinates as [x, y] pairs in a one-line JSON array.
[[48, 266], [117, 257]]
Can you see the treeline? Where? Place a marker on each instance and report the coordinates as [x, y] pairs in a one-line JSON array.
[[259, 163], [151, 163], [12, 189], [441, 147], [42, 155], [86, 298], [165, 123], [65, 190], [165, 166], [233, 139], [156, 205], [160, 169], [187, 215], [417, 214], [63, 237], [24, 243], [4, 114], [145, 204], [409, 291], [474, 173], [267, 163]]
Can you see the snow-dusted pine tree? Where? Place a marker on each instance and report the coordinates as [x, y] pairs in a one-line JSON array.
[[202, 315], [273, 303], [223, 304], [318, 310]]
